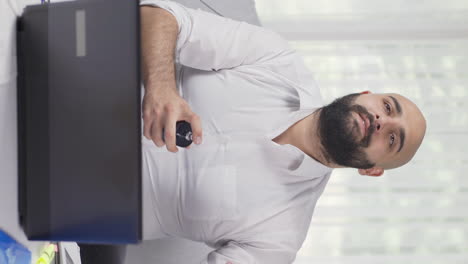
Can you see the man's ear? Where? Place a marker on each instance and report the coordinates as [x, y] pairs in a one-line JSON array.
[[374, 171]]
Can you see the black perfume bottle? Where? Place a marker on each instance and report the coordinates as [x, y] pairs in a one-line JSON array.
[[183, 134]]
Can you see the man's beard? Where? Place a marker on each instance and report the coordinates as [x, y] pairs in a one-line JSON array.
[[338, 135]]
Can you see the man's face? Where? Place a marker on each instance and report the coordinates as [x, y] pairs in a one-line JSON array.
[[371, 130]]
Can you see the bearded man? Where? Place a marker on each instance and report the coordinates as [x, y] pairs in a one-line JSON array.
[[265, 145]]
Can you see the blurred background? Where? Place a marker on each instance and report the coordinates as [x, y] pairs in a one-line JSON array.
[[418, 213]]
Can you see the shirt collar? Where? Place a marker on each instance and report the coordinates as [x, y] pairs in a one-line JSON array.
[[308, 167]]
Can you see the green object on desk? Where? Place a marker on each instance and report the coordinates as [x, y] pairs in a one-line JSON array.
[[47, 254]]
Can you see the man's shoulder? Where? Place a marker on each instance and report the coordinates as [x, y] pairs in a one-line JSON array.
[[241, 10]]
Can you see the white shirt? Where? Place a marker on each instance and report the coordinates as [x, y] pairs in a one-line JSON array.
[[241, 193]]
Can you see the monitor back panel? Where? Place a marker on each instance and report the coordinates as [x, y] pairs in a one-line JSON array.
[[79, 122]]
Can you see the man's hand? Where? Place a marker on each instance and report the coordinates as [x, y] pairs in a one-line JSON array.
[[162, 108], [162, 104]]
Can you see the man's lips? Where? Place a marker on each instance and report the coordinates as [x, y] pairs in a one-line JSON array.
[[364, 125]]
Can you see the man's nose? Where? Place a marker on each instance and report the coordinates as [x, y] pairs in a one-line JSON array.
[[383, 122]]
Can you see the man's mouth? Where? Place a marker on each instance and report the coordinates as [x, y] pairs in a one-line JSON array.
[[364, 125]]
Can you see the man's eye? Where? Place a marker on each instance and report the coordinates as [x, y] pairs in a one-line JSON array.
[[392, 139], [388, 108]]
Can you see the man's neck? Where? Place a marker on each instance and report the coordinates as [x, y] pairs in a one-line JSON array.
[[305, 136]]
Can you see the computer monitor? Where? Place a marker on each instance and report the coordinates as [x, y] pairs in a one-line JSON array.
[[79, 121]]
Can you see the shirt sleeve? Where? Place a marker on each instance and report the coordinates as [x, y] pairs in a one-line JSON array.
[[237, 253], [210, 42]]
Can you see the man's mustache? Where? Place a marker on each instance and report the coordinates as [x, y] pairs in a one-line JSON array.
[[359, 109]]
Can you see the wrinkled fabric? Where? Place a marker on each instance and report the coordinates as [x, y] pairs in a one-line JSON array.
[[241, 193]]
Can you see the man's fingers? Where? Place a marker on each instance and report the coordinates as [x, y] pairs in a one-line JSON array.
[[160, 120], [156, 133], [148, 120], [147, 128], [197, 134], [170, 133]]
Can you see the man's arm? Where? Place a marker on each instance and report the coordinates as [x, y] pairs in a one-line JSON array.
[[198, 40], [158, 41], [162, 104]]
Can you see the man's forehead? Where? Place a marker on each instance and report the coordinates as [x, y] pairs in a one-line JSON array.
[[415, 127], [394, 95]]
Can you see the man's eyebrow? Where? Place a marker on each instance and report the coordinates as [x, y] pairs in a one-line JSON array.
[[402, 139], [402, 131], [397, 105]]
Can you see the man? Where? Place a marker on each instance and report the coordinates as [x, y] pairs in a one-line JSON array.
[[264, 145]]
